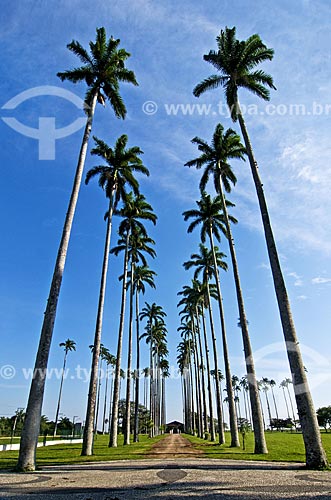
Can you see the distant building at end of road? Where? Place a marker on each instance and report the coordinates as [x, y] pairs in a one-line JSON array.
[[175, 427]]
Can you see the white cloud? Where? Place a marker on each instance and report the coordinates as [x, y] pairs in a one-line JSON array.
[[263, 265], [302, 297], [297, 279], [320, 281]]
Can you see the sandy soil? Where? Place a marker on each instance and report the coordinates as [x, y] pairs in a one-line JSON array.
[[174, 446]]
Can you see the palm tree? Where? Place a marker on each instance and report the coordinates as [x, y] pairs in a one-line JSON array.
[[110, 361], [134, 208], [236, 61], [154, 331], [102, 71], [287, 383], [208, 215], [121, 162], [215, 158], [187, 333], [283, 384], [194, 302], [104, 352], [134, 243], [272, 384], [142, 275], [69, 345], [205, 264], [265, 388], [245, 388], [220, 378], [164, 367], [145, 372]]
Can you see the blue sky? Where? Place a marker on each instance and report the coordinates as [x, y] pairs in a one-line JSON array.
[[167, 40]]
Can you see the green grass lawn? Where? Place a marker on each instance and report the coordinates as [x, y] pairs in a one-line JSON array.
[[282, 447], [70, 453]]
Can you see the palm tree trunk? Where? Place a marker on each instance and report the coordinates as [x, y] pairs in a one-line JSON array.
[[197, 381], [315, 454], [232, 412], [211, 412], [205, 416], [95, 428], [60, 393], [110, 402], [287, 408], [221, 436], [164, 414], [30, 432], [291, 403], [192, 396], [260, 442], [116, 395], [128, 380], [105, 402], [87, 447], [151, 387], [268, 407], [274, 400], [136, 407]]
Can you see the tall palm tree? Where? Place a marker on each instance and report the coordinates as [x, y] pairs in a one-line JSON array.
[[164, 367], [194, 300], [134, 243], [205, 264], [220, 378], [102, 70], [142, 275], [287, 383], [283, 384], [154, 331], [145, 372], [208, 215], [104, 352], [187, 333], [110, 361], [215, 157], [134, 209], [121, 163], [184, 350], [69, 345], [236, 389], [245, 388], [272, 384], [236, 62], [265, 388]]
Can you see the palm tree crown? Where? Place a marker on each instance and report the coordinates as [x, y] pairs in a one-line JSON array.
[[210, 216], [236, 62], [204, 263], [121, 163], [102, 70], [215, 157]]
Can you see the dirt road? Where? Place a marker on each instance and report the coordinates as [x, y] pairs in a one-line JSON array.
[[174, 446]]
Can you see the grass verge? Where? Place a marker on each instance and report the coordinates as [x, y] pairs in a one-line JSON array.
[[282, 447], [70, 454]]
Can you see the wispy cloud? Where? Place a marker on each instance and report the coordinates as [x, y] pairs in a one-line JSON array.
[[320, 280], [297, 279]]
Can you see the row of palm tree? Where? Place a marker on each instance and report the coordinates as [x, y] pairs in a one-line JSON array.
[[155, 335], [236, 62], [102, 69]]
